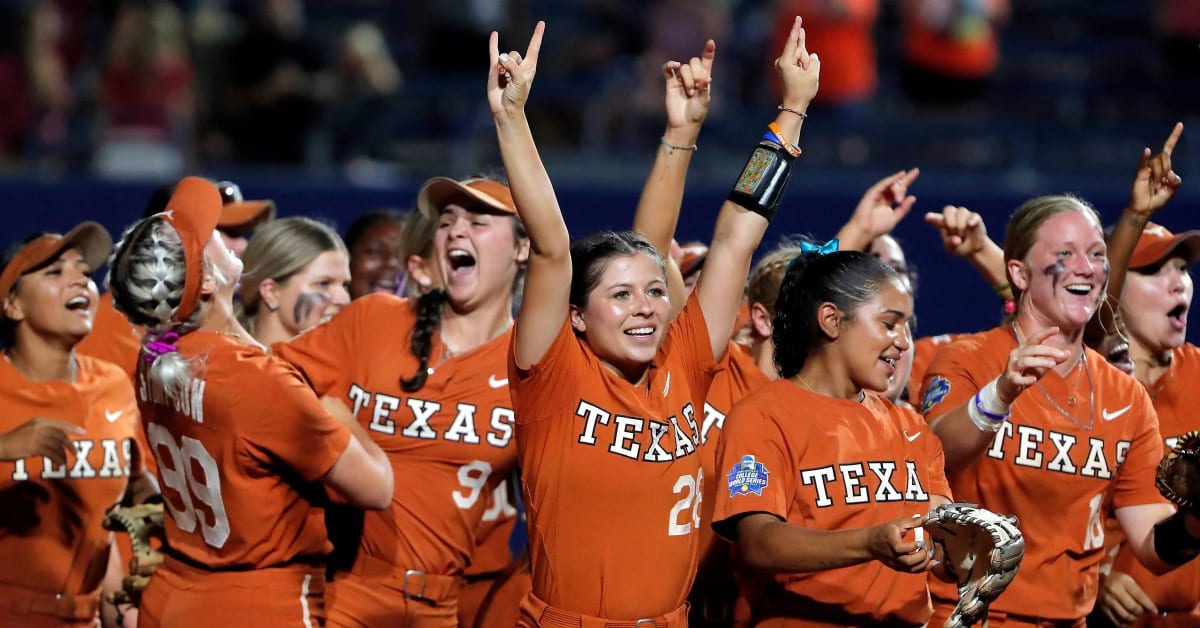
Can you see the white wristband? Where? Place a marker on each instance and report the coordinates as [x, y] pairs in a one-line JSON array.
[[986, 410], [990, 399]]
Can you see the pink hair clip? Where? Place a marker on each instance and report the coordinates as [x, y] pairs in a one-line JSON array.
[[164, 344]]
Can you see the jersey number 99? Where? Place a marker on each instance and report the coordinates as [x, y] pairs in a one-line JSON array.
[[175, 467]]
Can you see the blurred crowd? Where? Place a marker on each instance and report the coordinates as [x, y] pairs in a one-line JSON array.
[[151, 88]]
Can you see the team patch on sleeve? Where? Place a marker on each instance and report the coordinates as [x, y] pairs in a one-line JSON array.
[[746, 477], [938, 389]]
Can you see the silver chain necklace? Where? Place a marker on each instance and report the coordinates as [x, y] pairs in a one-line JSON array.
[[1087, 370]]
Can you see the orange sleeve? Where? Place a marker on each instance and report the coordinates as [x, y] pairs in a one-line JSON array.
[[322, 352], [952, 379], [536, 391], [689, 334], [1134, 481], [291, 425], [754, 470]]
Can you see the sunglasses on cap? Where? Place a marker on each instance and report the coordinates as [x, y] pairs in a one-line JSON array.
[[230, 192]]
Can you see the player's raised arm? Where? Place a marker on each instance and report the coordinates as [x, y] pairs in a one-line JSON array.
[[548, 278], [757, 193], [881, 208], [688, 91]]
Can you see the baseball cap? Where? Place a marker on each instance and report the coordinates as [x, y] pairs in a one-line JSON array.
[[439, 192], [1157, 243], [92, 240], [237, 212], [193, 211]]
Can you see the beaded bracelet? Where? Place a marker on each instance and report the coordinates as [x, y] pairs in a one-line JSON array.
[[790, 110]]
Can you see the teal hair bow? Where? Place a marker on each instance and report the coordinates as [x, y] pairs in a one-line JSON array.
[[822, 249]]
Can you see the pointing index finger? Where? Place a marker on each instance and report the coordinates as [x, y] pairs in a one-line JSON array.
[[789, 48], [706, 59], [1169, 145]]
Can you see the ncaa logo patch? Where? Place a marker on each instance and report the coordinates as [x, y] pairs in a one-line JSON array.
[[746, 477], [938, 389]]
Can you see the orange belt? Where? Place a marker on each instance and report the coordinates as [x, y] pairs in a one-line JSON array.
[[550, 617], [1041, 622], [416, 585], [65, 606]]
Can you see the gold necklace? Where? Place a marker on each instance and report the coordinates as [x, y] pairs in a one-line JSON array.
[[1087, 370]]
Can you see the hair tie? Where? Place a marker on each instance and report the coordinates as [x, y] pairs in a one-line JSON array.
[[164, 344], [820, 249]]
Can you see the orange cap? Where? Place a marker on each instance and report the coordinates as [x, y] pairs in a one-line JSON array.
[[92, 240], [1157, 243], [237, 212], [193, 211], [439, 192]]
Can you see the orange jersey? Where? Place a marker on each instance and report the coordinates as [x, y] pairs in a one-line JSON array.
[[235, 458], [611, 473], [715, 590], [1176, 397], [739, 376], [830, 464], [113, 338], [449, 443], [1058, 475], [51, 538], [924, 349], [492, 552]]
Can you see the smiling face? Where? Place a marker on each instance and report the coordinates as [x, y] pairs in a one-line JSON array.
[[626, 314], [1063, 277], [315, 294], [58, 300], [476, 256], [1155, 305], [872, 343], [375, 261]]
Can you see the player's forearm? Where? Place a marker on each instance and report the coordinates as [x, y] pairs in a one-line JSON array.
[[781, 547], [1121, 243], [531, 188], [962, 440], [658, 208], [989, 263]]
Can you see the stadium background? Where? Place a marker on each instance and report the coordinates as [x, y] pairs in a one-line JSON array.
[[1082, 86]]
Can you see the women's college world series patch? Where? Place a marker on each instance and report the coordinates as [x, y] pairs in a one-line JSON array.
[[938, 389], [746, 477]]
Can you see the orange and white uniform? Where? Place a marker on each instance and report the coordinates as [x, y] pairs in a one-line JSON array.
[[924, 350], [715, 591], [494, 584], [450, 446], [612, 478], [53, 548], [1061, 476], [829, 464], [1176, 397], [236, 460]]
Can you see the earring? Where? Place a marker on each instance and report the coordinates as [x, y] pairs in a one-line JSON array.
[[271, 306]]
